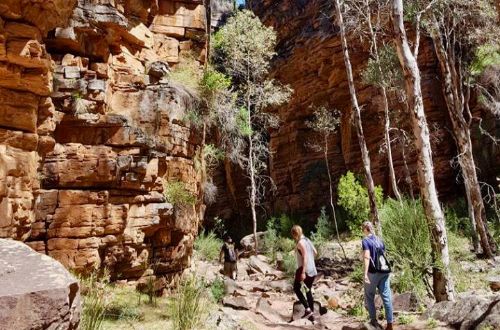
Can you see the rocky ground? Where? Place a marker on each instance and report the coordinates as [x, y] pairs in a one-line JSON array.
[[262, 298]]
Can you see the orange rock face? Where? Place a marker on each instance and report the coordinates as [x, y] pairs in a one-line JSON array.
[[91, 128]]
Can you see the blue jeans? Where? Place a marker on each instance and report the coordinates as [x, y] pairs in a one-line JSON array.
[[381, 282]]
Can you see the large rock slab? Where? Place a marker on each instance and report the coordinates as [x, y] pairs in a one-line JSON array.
[[36, 292], [469, 311]]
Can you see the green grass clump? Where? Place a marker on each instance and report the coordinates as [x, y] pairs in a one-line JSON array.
[[208, 245], [188, 72], [217, 289], [95, 300], [406, 319], [177, 193], [190, 304]]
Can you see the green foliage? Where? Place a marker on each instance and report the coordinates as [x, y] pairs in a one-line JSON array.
[[177, 194], [187, 72], [289, 263], [208, 245], [358, 310], [404, 319], [358, 275], [457, 218], [353, 197], [217, 289], [212, 154], [432, 323], [406, 237], [188, 309], [245, 43], [214, 81], [95, 301], [325, 121], [244, 128], [219, 227], [120, 307], [285, 225], [323, 232], [486, 55], [386, 72]]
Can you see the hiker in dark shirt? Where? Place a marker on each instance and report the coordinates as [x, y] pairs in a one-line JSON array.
[[377, 272], [230, 255]]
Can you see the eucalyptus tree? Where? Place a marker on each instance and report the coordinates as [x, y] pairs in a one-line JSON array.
[[459, 28], [325, 123], [365, 156], [243, 49], [442, 281]]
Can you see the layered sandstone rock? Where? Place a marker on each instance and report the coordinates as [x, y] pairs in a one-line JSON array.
[[92, 128], [36, 292]]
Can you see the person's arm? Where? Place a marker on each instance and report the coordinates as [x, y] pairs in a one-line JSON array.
[[366, 262], [303, 255], [221, 254]]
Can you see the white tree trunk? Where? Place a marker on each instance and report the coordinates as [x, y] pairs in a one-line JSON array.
[[330, 184], [442, 281], [461, 131], [359, 127], [253, 184]]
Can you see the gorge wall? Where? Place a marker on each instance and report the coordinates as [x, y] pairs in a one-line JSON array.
[[91, 128], [309, 59]]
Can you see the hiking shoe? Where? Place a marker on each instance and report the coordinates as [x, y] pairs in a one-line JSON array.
[[308, 313], [311, 318], [373, 325]]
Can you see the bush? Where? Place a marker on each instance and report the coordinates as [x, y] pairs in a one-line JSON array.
[[323, 232], [94, 300], [177, 194], [289, 263], [187, 72], [457, 217], [189, 306], [271, 239], [217, 289], [353, 197], [208, 245], [406, 237], [285, 225]]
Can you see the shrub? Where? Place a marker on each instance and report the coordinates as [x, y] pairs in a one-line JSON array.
[[271, 239], [357, 275], [187, 72], [217, 289], [95, 302], [285, 225], [177, 194], [457, 217], [189, 307], [322, 233], [289, 263], [285, 245], [208, 245], [406, 319], [406, 236], [353, 197]]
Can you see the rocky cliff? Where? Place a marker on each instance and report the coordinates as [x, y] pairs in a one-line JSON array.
[[310, 60], [91, 128]]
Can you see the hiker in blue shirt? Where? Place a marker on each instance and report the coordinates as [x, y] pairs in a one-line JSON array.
[[377, 272]]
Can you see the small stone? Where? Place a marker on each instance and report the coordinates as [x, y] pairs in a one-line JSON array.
[[71, 72]]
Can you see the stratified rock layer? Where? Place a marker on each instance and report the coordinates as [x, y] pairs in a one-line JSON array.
[[91, 129], [36, 292]]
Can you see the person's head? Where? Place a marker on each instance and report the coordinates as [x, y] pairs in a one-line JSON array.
[[229, 239], [296, 232], [367, 228]]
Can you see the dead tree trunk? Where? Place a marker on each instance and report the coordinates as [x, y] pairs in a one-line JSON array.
[[442, 281], [454, 96], [357, 120]]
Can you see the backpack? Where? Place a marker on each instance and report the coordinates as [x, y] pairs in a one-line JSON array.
[[380, 264], [231, 254]]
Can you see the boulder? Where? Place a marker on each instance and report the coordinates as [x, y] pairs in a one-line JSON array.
[[257, 265], [36, 292], [247, 243], [239, 302], [494, 283], [469, 311]]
